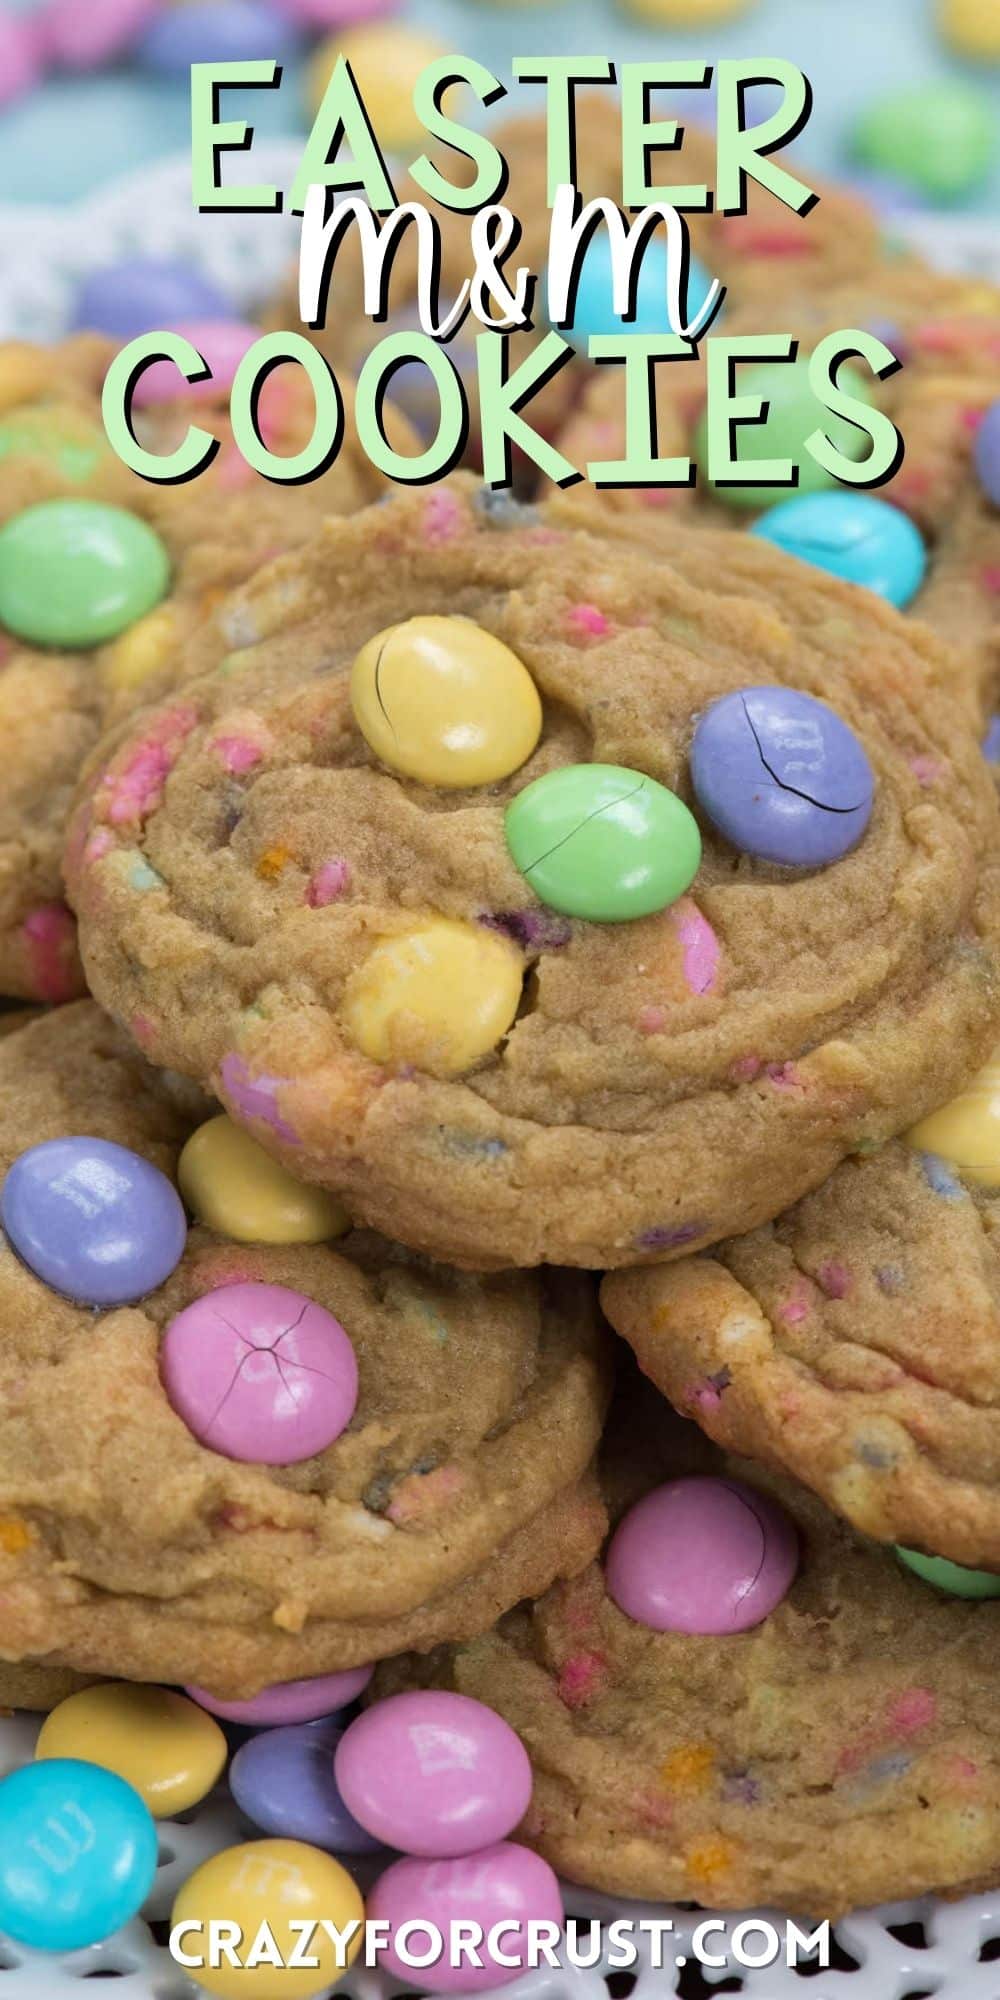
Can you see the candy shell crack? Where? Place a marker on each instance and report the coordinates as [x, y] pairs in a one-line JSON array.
[[574, 830], [794, 789]]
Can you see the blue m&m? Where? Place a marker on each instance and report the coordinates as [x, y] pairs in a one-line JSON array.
[[93, 1220], [593, 307], [216, 31], [853, 536], [143, 295], [78, 1854], [284, 1783], [781, 776]]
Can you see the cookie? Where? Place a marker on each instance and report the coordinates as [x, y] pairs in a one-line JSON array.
[[842, 1750], [500, 1061], [61, 681], [854, 1342], [153, 1530]]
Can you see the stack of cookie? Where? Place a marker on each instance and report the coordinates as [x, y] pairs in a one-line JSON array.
[[479, 898]]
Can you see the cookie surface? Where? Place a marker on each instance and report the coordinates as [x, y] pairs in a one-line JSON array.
[[842, 1752], [667, 1080], [129, 1548], [213, 532]]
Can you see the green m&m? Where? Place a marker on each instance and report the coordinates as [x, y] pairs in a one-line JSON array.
[[65, 440], [949, 1576], [794, 412], [75, 573], [939, 138], [603, 843]]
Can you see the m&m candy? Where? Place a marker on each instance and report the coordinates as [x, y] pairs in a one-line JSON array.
[[145, 295], [75, 573], [234, 1187], [987, 453], [88, 35], [952, 1578], [702, 1555], [966, 1131], [443, 701], [283, 1780], [165, 1747], [335, 13], [781, 776], [604, 843], [93, 1220], [386, 63], [289, 1701], [78, 1854], [593, 307], [506, 1884], [937, 137], [971, 28], [216, 31], [853, 536], [62, 438], [20, 56], [434, 1773], [791, 413], [222, 344], [279, 1883], [440, 996], [261, 1373]]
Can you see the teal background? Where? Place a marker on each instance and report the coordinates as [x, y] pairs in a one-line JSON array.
[[74, 135]]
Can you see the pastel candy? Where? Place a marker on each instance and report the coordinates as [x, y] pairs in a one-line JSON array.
[[216, 31], [593, 308], [93, 1220], [83, 36], [283, 1781], [281, 1883], [851, 535], [234, 1187], [966, 1131], [434, 1773], [793, 414], [336, 13], [260, 1373], [505, 1884], [687, 13], [222, 344], [78, 1854], [987, 453], [75, 573], [386, 63], [20, 56], [445, 702], [439, 996], [952, 1578], [289, 1701], [991, 741], [145, 295], [939, 137], [702, 1555], [971, 27], [62, 438], [603, 843], [781, 776], [165, 1747]]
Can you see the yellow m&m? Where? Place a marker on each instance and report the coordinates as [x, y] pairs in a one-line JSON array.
[[273, 1883], [386, 62], [966, 1131], [443, 701], [687, 13], [440, 996], [235, 1188], [972, 27], [163, 1745]]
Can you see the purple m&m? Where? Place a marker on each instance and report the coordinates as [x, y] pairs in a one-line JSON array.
[[702, 1555], [283, 1781], [83, 34], [145, 295], [20, 56], [93, 1220], [506, 1885], [987, 451], [289, 1701], [222, 344], [434, 1773], [781, 776], [260, 1373], [216, 31]]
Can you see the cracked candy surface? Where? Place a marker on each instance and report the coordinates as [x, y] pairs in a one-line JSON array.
[[127, 1548], [216, 529], [667, 1082], [845, 1751], [854, 1342]]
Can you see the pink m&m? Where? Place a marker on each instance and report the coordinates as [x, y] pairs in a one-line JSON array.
[[222, 345], [289, 1701], [83, 34], [20, 56], [260, 1373], [433, 1773], [702, 1555], [506, 1885]]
